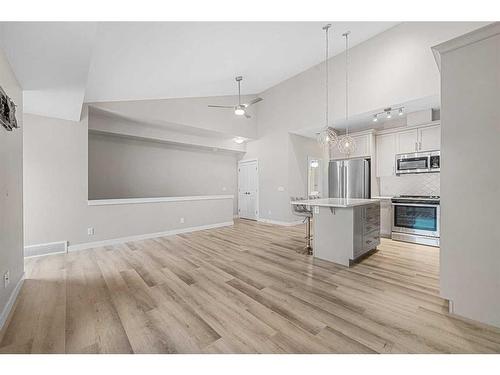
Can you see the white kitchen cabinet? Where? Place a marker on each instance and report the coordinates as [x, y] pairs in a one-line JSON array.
[[426, 138], [385, 154], [385, 218], [407, 141], [363, 147], [429, 138]]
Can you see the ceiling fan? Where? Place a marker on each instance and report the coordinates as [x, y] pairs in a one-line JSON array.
[[239, 109]]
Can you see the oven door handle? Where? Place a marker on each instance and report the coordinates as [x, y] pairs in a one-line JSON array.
[[417, 204]]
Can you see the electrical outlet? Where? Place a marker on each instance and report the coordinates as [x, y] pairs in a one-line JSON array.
[[6, 279], [90, 231], [181, 220]]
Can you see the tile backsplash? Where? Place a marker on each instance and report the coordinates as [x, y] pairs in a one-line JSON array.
[[411, 184]]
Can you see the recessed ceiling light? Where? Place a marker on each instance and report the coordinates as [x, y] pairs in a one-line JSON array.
[[239, 140], [375, 118]]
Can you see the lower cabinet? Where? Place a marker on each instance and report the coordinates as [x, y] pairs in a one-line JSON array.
[[366, 229], [385, 218]]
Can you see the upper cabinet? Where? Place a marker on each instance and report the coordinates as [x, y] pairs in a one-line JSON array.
[[364, 145], [429, 138], [383, 146], [425, 138], [385, 154], [407, 141], [389, 143]]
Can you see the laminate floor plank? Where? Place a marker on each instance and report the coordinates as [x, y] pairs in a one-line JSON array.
[[247, 288]]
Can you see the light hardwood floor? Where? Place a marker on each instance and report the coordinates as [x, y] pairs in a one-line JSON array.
[[241, 289]]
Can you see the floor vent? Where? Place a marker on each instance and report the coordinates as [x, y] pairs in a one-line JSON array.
[[46, 248]]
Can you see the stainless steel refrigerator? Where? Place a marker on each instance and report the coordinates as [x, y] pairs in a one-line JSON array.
[[349, 178]]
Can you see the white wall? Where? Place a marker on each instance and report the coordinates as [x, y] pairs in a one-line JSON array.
[[393, 67], [56, 209], [189, 112], [11, 191], [100, 121], [470, 178], [133, 168]]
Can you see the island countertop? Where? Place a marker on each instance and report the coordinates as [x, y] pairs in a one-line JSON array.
[[337, 202]]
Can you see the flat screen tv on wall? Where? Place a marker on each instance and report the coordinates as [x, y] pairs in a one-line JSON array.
[[7, 111]]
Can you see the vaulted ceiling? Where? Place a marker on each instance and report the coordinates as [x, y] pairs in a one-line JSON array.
[[61, 65]]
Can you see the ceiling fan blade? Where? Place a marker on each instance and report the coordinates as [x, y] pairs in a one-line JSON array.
[[253, 101], [221, 106], [247, 115]]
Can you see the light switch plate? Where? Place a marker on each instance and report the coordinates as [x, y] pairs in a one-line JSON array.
[[281, 188], [6, 279]]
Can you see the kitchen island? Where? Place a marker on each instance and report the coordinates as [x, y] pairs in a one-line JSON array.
[[344, 229]]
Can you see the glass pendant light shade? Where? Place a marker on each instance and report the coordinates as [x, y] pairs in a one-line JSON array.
[[327, 137], [346, 144]]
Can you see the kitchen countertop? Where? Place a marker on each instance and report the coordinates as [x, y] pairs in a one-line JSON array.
[[387, 198], [337, 202]]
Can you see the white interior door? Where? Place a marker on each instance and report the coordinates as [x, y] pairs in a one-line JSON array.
[[248, 185]]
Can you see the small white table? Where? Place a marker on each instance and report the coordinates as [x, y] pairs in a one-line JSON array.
[[344, 229]]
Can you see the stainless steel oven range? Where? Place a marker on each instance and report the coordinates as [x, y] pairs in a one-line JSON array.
[[416, 219]]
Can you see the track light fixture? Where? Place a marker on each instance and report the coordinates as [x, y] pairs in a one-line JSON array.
[[387, 112]]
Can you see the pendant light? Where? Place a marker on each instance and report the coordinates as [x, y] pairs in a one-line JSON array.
[[346, 143], [327, 136]]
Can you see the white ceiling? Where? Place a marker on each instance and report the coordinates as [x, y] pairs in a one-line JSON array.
[[193, 59], [364, 121], [51, 62], [111, 61]]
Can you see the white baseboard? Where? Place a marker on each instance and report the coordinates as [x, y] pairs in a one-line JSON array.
[[283, 223], [11, 301], [114, 241]]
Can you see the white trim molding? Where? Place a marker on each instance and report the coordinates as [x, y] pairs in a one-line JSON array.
[[282, 223], [10, 303], [138, 237], [466, 39], [105, 202], [243, 161]]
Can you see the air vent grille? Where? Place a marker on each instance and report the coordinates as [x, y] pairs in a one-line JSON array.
[[45, 249]]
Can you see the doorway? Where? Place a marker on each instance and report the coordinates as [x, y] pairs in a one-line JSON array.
[[248, 189]]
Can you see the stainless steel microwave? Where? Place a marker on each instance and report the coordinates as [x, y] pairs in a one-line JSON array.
[[418, 162]]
